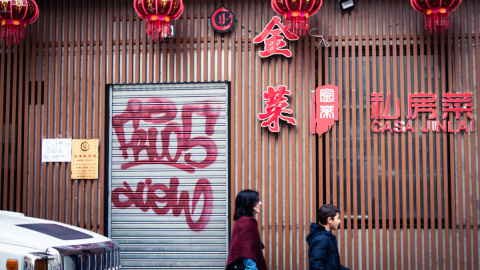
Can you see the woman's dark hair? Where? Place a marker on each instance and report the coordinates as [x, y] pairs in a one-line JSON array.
[[326, 211], [244, 203]]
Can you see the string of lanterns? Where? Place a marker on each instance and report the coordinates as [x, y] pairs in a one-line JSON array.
[[296, 13], [437, 13], [159, 14], [14, 16]]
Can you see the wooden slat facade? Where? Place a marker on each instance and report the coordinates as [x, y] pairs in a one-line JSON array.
[[409, 200]]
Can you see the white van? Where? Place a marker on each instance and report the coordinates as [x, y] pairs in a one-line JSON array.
[[37, 244]]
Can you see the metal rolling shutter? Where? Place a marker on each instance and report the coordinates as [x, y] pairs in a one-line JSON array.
[[168, 176]]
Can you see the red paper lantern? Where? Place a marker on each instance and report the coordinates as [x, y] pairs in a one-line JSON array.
[[437, 12], [159, 14], [15, 15], [296, 13]]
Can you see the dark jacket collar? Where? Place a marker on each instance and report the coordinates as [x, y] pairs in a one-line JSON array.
[[317, 230]]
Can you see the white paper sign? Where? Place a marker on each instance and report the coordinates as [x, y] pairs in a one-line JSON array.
[[57, 150]]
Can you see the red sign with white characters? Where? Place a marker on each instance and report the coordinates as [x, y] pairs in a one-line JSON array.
[[274, 42], [421, 103], [324, 109], [277, 104]]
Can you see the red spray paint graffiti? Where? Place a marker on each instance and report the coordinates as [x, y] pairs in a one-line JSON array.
[[161, 111], [146, 198]]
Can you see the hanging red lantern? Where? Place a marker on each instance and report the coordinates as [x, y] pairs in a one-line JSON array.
[[159, 14], [15, 15], [437, 12], [296, 13]]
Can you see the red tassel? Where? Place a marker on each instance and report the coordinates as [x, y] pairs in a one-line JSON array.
[[12, 33], [297, 25], [158, 29], [437, 22]]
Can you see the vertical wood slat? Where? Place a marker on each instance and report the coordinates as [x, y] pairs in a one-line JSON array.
[[69, 84], [3, 66], [423, 170], [82, 94], [310, 171], [293, 180], [92, 100], [135, 73], [453, 196], [403, 140], [39, 182], [233, 169], [410, 138], [46, 182], [375, 144], [26, 91], [327, 81], [445, 163], [106, 22], [475, 185], [48, 109], [14, 205], [122, 42], [362, 26], [466, 52], [129, 20], [314, 191], [353, 134], [116, 52], [339, 194], [7, 137], [273, 178], [218, 53], [457, 142], [258, 93], [430, 180], [192, 25], [349, 97], [395, 249], [88, 99], [56, 111], [76, 131], [268, 146], [200, 25], [20, 131], [473, 175], [144, 41], [370, 240], [389, 182], [97, 86], [236, 86], [184, 71]]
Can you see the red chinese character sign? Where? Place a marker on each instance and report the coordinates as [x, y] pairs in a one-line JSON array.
[[276, 105], [274, 41], [323, 109], [222, 19], [457, 103], [426, 105]]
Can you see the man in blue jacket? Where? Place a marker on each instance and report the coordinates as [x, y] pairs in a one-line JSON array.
[[323, 250]]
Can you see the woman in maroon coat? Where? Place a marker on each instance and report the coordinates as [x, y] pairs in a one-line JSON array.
[[246, 245]]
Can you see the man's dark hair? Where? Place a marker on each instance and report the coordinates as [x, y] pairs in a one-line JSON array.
[[326, 211], [244, 203]]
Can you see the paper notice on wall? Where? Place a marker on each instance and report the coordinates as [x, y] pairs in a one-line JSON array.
[[85, 159], [57, 150]]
